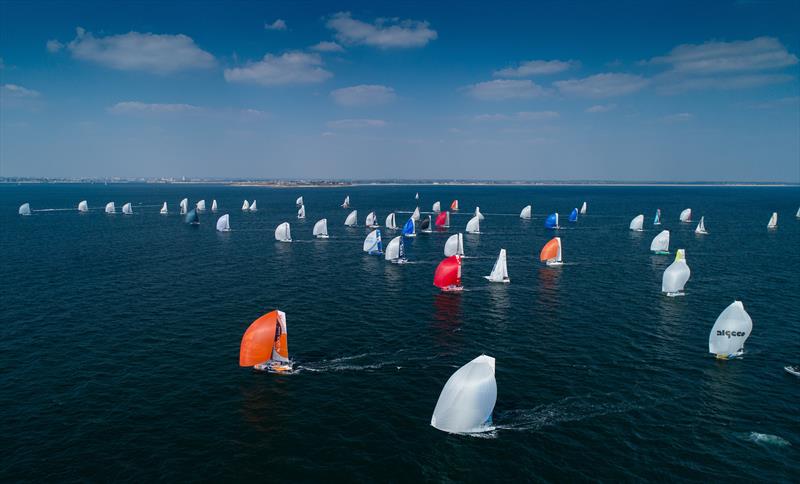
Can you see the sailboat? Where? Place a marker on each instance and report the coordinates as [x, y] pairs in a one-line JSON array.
[[25, 209], [410, 228], [395, 251], [192, 218], [264, 345], [583, 209], [352, 219], [573, 216], [83, 206], [551, 252], [110, 208], [657, 220], [184, 206], [551, 222], [390, 222], [676, 275], [454, 245], [474, 225], [245, 206], [773, 221], [253, 207], [686, 215], [500, 270], [448, 274], [798, 213], [467, 400], [730, 331], [526, 212], [346, 203], [478, 213], [223, 223], [372, 220], [415, 215], [164, 209], [454, 206], [373, 244], [127, 209], [299, 202], [660, 243], [443, 220], [701, 227], [637, 223], [426, 226], [283, 232], [416, 197], [301, 212], [437, 207], [321, 229], [214, 205], [201, 206]]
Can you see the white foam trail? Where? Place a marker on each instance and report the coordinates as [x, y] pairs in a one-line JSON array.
[[767, 439], [571, 409]]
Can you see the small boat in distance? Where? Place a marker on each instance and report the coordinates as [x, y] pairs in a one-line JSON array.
[[395, 251], [127, 209], [83, 206], [301, 212], [551, 252], [583, 209], [660, 243], [798, 213], [214, 205], [443, 220], [637, 223], [321, 229], [223, 223], [373, 244], [245, 206], [676, 276], [25, 209], [468, 398], [201, 206], [573, 217], [416, 197], [454, 245], [192, 218], [730, 331], [391, 222], [686, 215], [346, 203], [437, 207], [164, 210], [701, 227], [551, 222], [773, 221], [526, 212], [657, 220], [448, 275], [352, 219], [454, 206], [372, 221], [253, 207], [283, 232], [264, 345], [299, 202], [110, 208], [474, 225], [500, 270], [184, 206]]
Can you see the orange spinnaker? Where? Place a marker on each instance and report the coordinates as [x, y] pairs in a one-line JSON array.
[[550, 250], [454, 205], [259, 339]]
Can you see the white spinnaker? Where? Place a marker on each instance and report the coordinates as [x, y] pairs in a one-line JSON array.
[[583, 209], [127, 209], [686, 215], [299, 201], [321, 228], [660, 242], [474, 225], [184, 206], [351, 219], [500, 269], [526, 212], [110, 208], [346, 203], [773, 221], [201, 206], [223, 223], [253, 207], [164, 209], [454, 245], [393, 249], [25, 209], [246, 205], [371, 241], [478, 213], [283, 233], [415, 215], [676, 275], [730, 331], [467, 400], [437, 207], [637, 223], [371, 218], [83, 206], [301, 212], [390, 221], [214, 205]]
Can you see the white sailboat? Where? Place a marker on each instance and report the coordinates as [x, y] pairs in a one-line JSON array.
[[299, 202], [526, 212], [184, 206], [500, 270], [25, 209], [283, 233], [321, 229], [686, 215], [773, 221], [416, 197], [110, 208], [83, 206], [301, 212], [127, 209], [223, 223], [583, 209], [372, 243], [245, 206], [415, 215], [391, 223], [637, 223], [214, 205], [798, 213], [253, 207], [164, 210], [660, 243], [467, 399], [346, 203], [730, 331], [437, 207], [454, 245], [372, 220], [701, 227], [478, 213], [201, 206], [351, 219], [474, 225], [676, 275], [395, 252]]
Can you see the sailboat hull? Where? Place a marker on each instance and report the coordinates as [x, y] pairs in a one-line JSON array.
[[453, 289], [504, 281]]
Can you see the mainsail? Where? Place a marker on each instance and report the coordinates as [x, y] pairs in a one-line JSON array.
[[686, 215], [346, 203], [301, 212], [372, 220], [583, 209], [184, 206], [283, 232], [214, 205], [773, 221], [321, 229], [467, 399], [437, 207], [474, 225], [657, 220], [500, 270], [551, 222], [478, 213], [526, 212], [351, 219], [372, 243], [390, 222], [415, 215], [164, 210], [637, 223], [127, 209], [264, 344], [25, 208], [246, 206], [110, 208], [551, 252], [83, 206], [253, 207], [223, 223], [454, 245], [701, 227], [676, 275], [730, 331], [448, 274], [299, 202], [660, 243]]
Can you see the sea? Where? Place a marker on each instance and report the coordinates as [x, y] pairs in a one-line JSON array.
[[120, 334]]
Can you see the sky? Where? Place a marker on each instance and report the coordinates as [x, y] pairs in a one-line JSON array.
[[629, 91]]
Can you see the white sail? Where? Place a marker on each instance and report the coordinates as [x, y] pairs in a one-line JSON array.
[[415, 215], [110, 208], [416, 197], [299, 202], [372, 242], [468, 398], [83, 206], [454, 245], [164, 209], [25, 209], [730, 331], [583, 209], [393, 250], [351, 219], [301, 212], [773, 221], [321, 229], [127, 209], [478, 213], [253, 207], [371, 219], [184, 206], [798, 213], [637, 223], [223, 223], [437, 207], [701, 227], [686, 215], [346, 203], [676, 275], [201, 206], [283, 233], [500, 270], [526, 212], [390, 222], [214, 205], [474, 225], [660, 242], [246, 206]]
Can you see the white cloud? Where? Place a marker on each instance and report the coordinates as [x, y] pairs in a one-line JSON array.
[[363, 95], [135, 51], [671, 84], [54, 46], [137, 107], [536, 68], [278, 24], [18, 92], [601, 108], [678, 117], [602, 85], [326, 46], [288, 68], [382, 33], [727, 57], [520, 116], [503, 89], [356, 123]]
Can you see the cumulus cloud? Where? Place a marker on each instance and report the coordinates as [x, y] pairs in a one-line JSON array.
[[278, 24], [382, 33], [288, 68], [678, 117], [536, 68], [135, 51], [53, 46], [601, 108], [326, 46], [671, 84], [761, 53], [602, 85], [504, 89], [18, 92], [520, 116], [356, 123], [137, 107], [363, 95]]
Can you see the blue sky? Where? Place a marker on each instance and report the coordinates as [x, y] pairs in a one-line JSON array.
[[503, 90]]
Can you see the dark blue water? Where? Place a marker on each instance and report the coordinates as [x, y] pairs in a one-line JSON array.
[[120, 335]]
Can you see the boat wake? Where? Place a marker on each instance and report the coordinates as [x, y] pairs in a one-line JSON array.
[[361, 362], [572, 409], [766, 439]]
